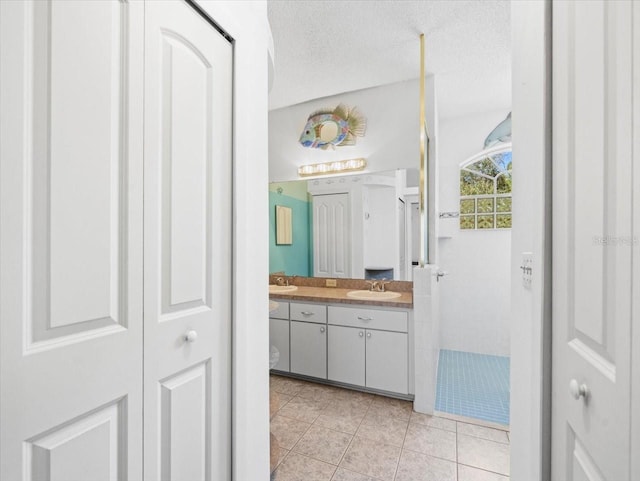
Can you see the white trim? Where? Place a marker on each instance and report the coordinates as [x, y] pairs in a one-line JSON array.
[[530, 329], [246, 22], [635, 275]]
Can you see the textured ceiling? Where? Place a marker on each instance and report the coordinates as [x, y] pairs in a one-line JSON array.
[[325, 48]]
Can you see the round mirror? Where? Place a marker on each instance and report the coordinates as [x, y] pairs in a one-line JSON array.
[[328, 131]]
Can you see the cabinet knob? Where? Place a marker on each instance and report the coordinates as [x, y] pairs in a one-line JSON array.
[[361, 334], [322, 329], [364, 318], [306, 313], [368, 334], [578, 390], [191, 336]]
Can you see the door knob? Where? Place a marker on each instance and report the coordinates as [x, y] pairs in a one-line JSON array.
[[578, 390], [191, 336]]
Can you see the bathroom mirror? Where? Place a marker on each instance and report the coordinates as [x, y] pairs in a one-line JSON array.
[[362, 226]]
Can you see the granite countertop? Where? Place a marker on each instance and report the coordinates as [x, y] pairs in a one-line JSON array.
[[339, 295]]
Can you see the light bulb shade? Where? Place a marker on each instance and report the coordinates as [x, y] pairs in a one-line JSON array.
[[334, 167]]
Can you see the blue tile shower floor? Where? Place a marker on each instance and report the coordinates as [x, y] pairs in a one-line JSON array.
[[473, 385]]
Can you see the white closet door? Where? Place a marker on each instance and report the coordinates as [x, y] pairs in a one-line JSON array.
[[331, 235], [593, 157], [71, 257], [188, 73]]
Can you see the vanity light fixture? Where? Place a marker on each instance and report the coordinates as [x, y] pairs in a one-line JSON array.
[[335, 167]]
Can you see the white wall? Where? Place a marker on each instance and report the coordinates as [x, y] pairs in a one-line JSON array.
[[381, 245], [475, 296], [247, 23], [391, 140]]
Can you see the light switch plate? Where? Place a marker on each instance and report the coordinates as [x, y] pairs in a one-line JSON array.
[[527, 269]]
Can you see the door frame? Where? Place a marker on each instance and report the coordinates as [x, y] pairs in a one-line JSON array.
[[246, 23], [635, 269], [531, 306]]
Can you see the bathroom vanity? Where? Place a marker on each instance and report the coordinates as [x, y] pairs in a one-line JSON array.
[[326, 336]]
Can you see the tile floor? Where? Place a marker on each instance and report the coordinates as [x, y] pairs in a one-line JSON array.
[[473, 385], [332, 434]]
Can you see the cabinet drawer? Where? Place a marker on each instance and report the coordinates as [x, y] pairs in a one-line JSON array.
[[308, 312], [368, 318], [281, 312]]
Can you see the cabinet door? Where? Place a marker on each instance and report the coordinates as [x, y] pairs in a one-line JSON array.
[[279, 337], [345, 349], [309, 349], [387, 361]]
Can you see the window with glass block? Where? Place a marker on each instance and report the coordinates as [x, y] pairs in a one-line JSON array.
[[485, 192]]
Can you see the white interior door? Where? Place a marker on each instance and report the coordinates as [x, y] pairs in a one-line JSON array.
[[187, 318], [71, 256], [592, 238], [331, 235]]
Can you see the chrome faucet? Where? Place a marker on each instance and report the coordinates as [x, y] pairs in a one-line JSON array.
[[377, 286]]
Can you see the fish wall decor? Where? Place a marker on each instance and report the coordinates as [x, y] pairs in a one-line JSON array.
[[331, 128]]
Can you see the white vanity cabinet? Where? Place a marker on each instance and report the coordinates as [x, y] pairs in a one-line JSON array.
[[279, 334], [362, 346], [369, 347], [308, 332]]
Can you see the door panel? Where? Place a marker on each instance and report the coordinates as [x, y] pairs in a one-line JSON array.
[[71, 257], [187, 163], [86, 448], [592, 78], [187, 243], [341, 231], [584, 467], [77, 232], [82, 253], [321, 239], [185, 437]]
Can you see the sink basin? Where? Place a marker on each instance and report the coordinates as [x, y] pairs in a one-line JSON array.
[[274, 289], [373, 295]]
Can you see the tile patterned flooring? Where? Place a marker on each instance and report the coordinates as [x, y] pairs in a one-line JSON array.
[[473, 385], [327, 433]]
